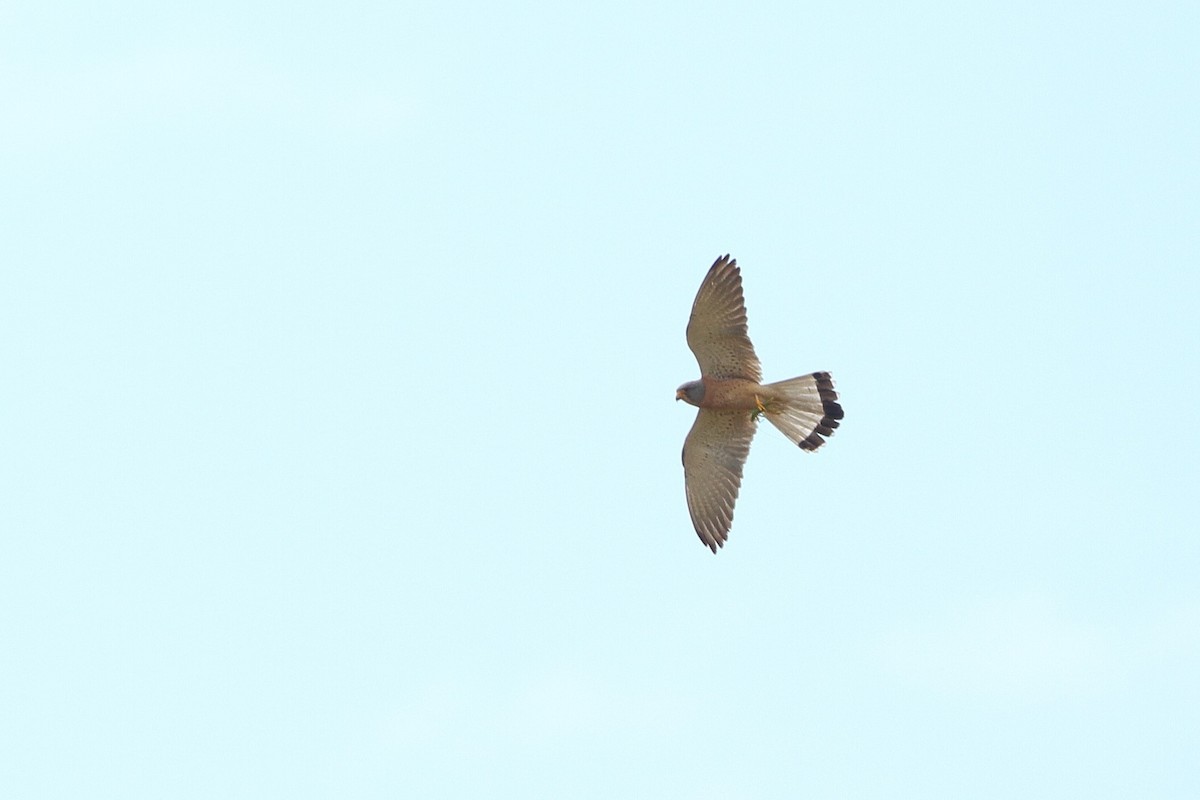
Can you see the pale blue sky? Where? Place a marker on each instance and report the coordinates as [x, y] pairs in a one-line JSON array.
[[339, 450]]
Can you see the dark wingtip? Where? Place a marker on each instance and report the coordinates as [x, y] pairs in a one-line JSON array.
[[711, 542], [724, 260]]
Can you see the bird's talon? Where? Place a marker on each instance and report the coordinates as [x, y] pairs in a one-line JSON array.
[[761, 409]]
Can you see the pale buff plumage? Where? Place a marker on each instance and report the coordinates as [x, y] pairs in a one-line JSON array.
[[731, 397]]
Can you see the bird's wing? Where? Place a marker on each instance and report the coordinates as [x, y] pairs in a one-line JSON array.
[[713, 454], [716, 331]]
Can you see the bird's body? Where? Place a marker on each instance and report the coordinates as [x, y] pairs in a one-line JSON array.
[[731, 397], [731, 394]]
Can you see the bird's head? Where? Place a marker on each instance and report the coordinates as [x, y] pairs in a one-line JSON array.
[[691, 392]]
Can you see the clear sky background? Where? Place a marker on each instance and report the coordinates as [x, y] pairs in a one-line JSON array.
[[339, 451]]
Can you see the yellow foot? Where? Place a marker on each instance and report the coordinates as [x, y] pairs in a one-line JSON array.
[[758, 402]]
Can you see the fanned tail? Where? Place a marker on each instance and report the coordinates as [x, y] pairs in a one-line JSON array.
[[804, 409]]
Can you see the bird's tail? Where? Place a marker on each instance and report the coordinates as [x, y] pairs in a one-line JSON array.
[[805, 409]]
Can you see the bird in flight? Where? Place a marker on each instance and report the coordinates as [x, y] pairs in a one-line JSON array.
[[731, 397]]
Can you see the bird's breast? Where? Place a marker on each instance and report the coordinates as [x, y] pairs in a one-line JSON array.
[[731, 394]]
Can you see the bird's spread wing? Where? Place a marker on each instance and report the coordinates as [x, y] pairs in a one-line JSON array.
[[713, 454], [716, 331]]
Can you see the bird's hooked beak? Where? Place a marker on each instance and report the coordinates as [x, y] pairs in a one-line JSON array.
[[679, 394]]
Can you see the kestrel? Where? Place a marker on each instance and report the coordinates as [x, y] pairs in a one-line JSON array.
[[731, 397]]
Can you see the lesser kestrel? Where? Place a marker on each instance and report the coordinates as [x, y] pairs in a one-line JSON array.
[[731, 398]]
